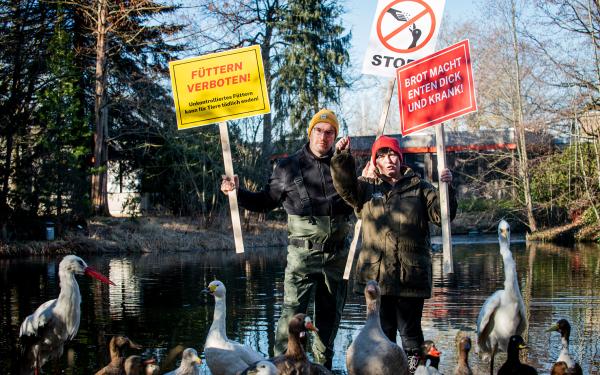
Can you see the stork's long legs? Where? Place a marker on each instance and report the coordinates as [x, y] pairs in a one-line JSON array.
[[37, 363], [494, 349]]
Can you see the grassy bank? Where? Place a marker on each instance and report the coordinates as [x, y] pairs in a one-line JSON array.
[[164, 234], [151, 234]]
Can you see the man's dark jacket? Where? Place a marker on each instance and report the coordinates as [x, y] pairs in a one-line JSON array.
[[283, 188]]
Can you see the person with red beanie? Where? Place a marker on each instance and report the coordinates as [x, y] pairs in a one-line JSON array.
[[395, 206]]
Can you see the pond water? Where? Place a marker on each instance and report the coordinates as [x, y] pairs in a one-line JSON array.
[[157, 301]]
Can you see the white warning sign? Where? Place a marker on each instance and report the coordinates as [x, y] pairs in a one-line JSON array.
[[402, 31]]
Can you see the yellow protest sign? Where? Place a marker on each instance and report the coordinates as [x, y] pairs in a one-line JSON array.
[[218, 87]]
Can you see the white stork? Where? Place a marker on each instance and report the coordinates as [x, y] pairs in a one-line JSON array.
[[44, 333], [503, 313]]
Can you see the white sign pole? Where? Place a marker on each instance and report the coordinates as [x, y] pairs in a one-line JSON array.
[[380, 128], [444, 208], [233, 203]]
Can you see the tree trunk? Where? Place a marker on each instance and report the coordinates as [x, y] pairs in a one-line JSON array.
[[6, 177], [267, 138], [99, 178], [520, 127]]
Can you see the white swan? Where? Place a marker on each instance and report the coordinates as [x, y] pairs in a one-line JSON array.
[[371, 352], [224, 356], [503, 313]]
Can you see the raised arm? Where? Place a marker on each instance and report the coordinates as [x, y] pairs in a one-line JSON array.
[[343, 172]]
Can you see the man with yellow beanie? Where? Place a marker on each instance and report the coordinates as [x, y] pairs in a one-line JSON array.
[[318, 225]]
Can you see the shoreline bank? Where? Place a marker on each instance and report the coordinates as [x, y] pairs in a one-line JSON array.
[[184, 234]]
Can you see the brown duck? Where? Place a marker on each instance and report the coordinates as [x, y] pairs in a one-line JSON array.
[[294, 361], [117, 347], [463, 346]]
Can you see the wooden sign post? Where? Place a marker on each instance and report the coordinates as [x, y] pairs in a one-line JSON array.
[[444, 201], [233, 203]]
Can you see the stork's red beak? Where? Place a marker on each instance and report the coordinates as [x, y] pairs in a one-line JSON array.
[[97, 275]]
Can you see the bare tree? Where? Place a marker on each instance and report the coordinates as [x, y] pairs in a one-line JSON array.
[[118, 28], [519, 124], [243, 23]]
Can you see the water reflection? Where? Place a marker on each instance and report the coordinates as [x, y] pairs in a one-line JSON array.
[[157, 301], [125, 296]]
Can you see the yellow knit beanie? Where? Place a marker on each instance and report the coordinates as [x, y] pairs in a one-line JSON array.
[[324, 115]]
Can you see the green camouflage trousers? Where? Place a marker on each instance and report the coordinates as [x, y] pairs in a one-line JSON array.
[[315, 269]]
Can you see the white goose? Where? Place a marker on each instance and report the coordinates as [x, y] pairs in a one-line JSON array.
[[372, 352], [224, 356], [503, 313]]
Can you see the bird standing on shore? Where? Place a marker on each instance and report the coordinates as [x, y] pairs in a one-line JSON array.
[[503, 313], [44, 333]]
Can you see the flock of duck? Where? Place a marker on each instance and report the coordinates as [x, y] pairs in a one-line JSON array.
[[500, 324]]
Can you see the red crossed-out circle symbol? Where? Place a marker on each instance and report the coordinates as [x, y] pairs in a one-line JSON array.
[[426, 12]]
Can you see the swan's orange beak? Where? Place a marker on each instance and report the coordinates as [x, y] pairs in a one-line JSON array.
[[434, 352], [97, 275]]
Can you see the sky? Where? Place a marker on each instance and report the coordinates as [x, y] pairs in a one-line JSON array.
[[360, 14], [362, 105]]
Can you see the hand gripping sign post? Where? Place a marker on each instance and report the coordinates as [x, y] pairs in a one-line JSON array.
[[402, 31], [432, 90], [215, 88]]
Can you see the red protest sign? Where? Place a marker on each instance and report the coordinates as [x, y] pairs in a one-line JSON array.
[[436, 88]]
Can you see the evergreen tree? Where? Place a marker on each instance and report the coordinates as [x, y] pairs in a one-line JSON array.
[[25, 30], [62, 147], [311, 70]]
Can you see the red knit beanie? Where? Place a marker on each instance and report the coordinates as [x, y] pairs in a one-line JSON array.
[[385, 142]]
